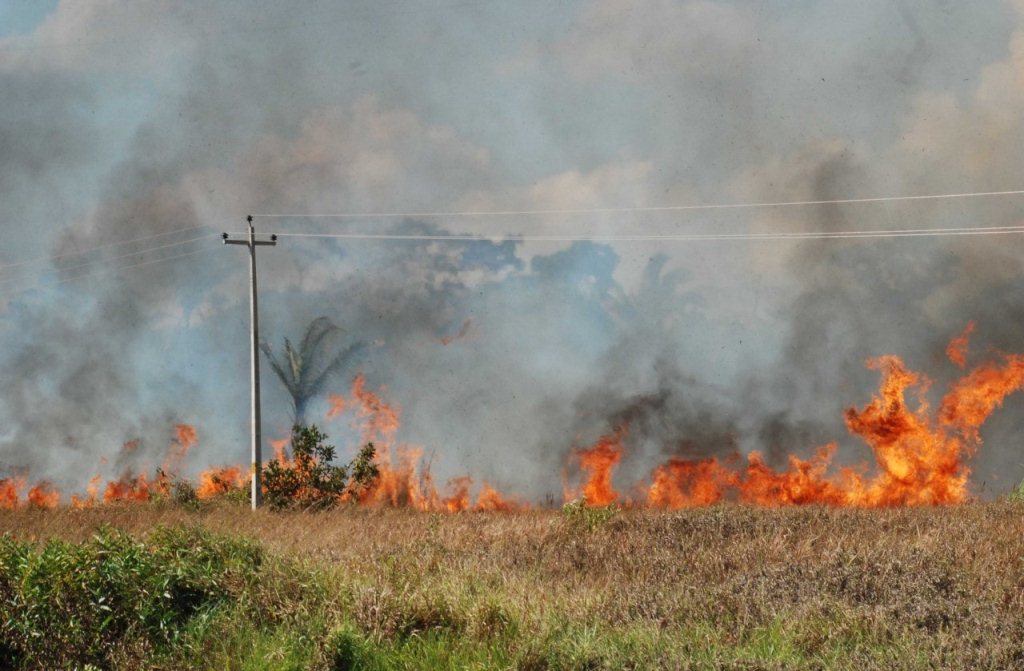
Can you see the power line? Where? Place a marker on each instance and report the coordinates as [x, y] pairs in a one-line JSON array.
[[147, 250], [51, 285], [98, 247], [620, 210], [696, 237], [682, 237]]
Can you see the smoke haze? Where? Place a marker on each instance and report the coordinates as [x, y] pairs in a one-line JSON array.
[[132, 121]]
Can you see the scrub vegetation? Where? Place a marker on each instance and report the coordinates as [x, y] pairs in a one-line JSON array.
[[168, 586]]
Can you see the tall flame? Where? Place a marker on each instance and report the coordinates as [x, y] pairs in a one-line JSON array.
[[598, 462], [920, 455], [404, 480], [185, 438]]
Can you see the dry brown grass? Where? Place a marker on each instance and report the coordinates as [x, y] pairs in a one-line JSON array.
[[722, 586]]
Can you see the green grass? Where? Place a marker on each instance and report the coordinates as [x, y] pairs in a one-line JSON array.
[[74, 604]]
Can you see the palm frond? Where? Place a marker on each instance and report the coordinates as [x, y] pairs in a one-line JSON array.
[[304, 370], [278, 367]]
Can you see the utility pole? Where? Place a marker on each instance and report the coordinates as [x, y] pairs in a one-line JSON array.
[[257, 446]]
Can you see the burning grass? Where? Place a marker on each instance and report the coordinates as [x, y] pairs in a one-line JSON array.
[[724, 586], [921, 454]]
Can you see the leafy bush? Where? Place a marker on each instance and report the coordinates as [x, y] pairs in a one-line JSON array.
[[65, 605], [579, 514], [309, 479]]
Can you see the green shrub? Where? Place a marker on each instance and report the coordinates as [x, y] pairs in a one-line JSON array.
[[310, 479], [580, 515], [1017, 495], [68, 605], [346, 648]]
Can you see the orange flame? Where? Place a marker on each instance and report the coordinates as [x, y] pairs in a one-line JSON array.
[[957, 349], [404, 480], [129, 487], [337, 406], [398, 483], [279, 447], [136, 488], [919, 456], [598, 462], [683, 484], [804, 481], [459, 500], [974, 397], [42, 495], [92, 489], [488, 498], [379, 420], [10, 492], [216, 481], [185, 438]]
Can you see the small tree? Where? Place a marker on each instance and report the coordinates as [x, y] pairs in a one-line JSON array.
[[304, 370], [310, 479]]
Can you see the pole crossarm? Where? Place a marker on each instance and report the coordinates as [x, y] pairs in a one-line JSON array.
[[257, 442], [269, 243], [259, 243]]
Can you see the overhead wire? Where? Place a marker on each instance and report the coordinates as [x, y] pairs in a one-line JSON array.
[[682, 237], [626, 210], [109, 271], [117, 243], [40, 274]]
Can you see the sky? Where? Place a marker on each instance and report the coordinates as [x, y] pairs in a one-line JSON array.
[[132, 134]]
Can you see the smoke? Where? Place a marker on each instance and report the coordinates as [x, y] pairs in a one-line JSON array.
[[45, 135], [701, 350]]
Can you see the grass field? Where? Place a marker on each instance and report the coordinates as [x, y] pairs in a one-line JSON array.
[[166, 586]]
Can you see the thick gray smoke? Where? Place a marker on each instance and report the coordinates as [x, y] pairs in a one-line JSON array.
[[173, 123]]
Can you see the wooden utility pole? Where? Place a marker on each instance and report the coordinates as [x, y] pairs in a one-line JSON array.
[[257, 445]]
